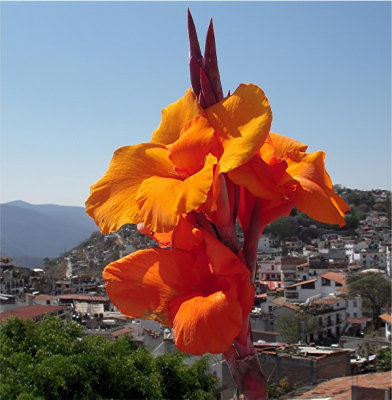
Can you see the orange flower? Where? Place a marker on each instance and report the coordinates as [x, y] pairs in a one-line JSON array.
[[156, 182], [283, 174], [199, 288]]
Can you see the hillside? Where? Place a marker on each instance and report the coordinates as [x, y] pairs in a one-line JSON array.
[[93, 254], [30, 232]]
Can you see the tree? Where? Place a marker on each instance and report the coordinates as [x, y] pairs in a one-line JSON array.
[[283, 228], [55, 359], [384, 360], [374, 289], [288, 327], [295, 326]]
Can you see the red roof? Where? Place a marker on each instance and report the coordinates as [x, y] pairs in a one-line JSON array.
[[82, 297], [30, 311], [335, 277], [272, 284], [358, 320], [340, 388], [44, 297], [302, 283], [386, 318], [327, 300]]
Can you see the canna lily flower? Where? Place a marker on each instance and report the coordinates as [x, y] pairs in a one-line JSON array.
[[199, 288], [283, 175], [155, 183]]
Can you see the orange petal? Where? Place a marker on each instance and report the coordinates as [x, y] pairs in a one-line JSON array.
[[257, 177], [174, 117], [283, 144], [189, 152], [274, 209], [315, 195], [142, 284], [112, 200], [186, 236], [206, 323], [242, 122], [161, 201], [223, 261]]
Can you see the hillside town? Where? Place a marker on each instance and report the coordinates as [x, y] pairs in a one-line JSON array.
[[311, 320]]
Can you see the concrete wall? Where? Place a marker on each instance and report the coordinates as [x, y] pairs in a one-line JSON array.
[[304, 370], [365, 393]]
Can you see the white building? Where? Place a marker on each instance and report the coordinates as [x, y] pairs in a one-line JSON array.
[[267, 244]]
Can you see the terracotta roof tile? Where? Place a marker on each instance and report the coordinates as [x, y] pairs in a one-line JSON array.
[[327, 300], [386, 318], [44, 297], [335, 277], [82, 297], [30, 311], [124, 331], [340, 388], [303, 283], [358, 320]]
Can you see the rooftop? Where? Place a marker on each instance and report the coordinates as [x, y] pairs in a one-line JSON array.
[[386, 318], [335, 277], [30, 311], [340, 388], [327, 300], [82, 297], [358, 320], [302, 283]]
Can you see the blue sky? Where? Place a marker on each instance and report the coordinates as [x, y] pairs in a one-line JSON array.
[[80, 79]]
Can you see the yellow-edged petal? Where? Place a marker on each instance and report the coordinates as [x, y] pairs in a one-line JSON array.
[[174, 117], [315, 195], [112, 202], [161, 201], [189, 152], [242, 122], [257, 177], [283, 144]]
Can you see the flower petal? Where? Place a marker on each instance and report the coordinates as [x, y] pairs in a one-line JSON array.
[[189, 152], [161, 200], [242, 122], [283, 144], [206, 323], [315, 195], [142, 283], [174, 117], [257, 177], [112, 200]]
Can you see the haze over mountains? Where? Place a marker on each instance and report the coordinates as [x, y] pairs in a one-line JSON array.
[[31, 232]]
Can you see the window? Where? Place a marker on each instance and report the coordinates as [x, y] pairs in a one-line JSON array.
[[272, 268], [355, 303], [310, 285]]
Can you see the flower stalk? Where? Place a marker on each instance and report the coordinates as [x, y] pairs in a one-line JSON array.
[[241, 357], [211, 162]]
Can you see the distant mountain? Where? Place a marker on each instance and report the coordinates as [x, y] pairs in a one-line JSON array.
[[30, 232]]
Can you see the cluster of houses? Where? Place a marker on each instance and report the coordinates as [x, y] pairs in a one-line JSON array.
[[296, 281], [297, 278]]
